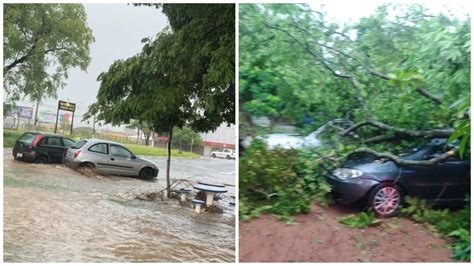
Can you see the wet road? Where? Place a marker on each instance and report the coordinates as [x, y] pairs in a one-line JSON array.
[[54, 214]]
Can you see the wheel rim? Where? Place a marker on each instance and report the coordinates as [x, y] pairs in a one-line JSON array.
[[147, 173], [386, 200], [41, 160]]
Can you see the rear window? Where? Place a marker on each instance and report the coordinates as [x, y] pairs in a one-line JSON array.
[[27, 137], [78, 144]]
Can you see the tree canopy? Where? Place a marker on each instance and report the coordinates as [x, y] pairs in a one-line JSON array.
[[393, 75], [184, 76], [41, 42]]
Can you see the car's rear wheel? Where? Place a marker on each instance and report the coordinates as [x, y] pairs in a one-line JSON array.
[[227, 157], [146, 173], [87, 169], [385, 199], [42, 160], [213, 155]]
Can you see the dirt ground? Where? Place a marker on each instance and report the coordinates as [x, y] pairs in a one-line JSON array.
[[319, 237]]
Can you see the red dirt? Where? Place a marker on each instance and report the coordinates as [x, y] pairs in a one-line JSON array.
[[319, 237]]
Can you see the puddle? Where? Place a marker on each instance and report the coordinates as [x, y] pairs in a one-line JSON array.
[[54, 214]]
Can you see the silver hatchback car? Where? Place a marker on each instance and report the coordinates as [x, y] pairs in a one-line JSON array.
[[108, 157]]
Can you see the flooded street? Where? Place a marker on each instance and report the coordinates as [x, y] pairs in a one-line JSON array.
[[54, 214]]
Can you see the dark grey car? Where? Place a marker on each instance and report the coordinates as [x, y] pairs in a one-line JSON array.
[[383, 183], [108, 157]]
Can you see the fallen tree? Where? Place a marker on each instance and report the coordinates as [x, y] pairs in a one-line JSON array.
[[402, 68]]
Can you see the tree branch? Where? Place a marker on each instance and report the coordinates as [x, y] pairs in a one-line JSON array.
[[400, 161], [19, 60], [429, 95], [435, 133]]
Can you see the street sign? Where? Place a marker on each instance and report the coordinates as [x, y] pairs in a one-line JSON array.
[[67, 106]]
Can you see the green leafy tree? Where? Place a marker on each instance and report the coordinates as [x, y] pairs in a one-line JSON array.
[[186, 136], [185, 76], [142, 127], [385, 72], [41, 42]]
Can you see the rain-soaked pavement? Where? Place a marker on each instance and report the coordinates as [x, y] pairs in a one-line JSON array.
[[54, 214]]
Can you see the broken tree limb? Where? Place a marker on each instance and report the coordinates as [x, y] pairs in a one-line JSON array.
[[429, 95], [434, 133], [400, 161]]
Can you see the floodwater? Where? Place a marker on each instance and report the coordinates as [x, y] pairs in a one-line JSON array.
[[54, 214]]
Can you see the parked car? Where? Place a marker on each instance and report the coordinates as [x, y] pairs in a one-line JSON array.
[[298, 141], [291, 141], [107, 157], [382, 184], [36, 147], [224, 153]]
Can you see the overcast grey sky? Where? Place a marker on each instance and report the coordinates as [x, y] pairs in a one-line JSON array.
[[118, 30], [351, 11]]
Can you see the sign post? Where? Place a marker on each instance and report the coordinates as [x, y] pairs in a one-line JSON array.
[[66, 106]]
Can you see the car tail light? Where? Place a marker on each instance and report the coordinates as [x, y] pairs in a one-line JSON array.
[[37, 140], [77, 153]]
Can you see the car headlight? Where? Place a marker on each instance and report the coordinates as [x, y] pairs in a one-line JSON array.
[[346, 173]]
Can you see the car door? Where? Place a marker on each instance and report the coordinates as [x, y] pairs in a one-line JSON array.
[[421, 181], [54, 147], [122, 160], [455, 174], [221, 153], [217, 153], [98, 154]]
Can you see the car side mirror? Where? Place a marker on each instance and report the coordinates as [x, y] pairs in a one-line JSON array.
[[134, 157]]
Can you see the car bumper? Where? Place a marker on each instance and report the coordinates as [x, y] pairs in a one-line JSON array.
[[27, 156], [352, 190], [70, 162]]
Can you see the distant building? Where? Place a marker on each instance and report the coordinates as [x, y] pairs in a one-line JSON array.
[[222, 137]]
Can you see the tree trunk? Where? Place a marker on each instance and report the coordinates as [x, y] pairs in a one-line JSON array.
[[35, 123], [93, 126], [147, 138], [168, 163], [138, 136], [192, 144]]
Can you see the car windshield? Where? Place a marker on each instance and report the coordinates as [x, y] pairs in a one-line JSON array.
[[27, 137], [433, 147]]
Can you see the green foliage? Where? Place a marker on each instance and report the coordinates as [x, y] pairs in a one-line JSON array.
[[9, 138], [364, 219], [41, 42], [185, 76], [462, 247], [396, 40], [281, 182], [187, 137], [454, 224], [154, 151], [463, 125]]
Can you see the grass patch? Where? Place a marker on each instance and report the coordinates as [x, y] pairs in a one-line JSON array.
[[153, 151], [10, 136]]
